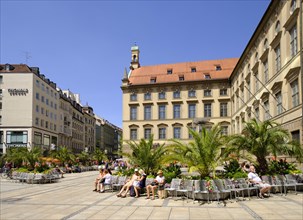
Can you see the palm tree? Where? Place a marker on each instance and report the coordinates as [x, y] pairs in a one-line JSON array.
[[98, 155], [202, 154], [32, 156], [261, 140], [145, 155], [84, 157], [15, 155], [19, 155], [64, 155]]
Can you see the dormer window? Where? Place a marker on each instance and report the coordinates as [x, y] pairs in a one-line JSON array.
[[181, 78], [218, 67], [193, 69], [206, 76], [8, 67], [153, 79], [170, 71]]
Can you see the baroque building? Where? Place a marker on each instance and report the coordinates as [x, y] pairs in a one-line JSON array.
[[164, 100]]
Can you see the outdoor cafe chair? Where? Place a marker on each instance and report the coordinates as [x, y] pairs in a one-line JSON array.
[[173, 187]]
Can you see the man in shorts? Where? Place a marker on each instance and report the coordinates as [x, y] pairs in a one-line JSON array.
[[255, 179]]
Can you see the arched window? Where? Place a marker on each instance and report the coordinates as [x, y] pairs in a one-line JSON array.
[[265, 44], [248, 68], [134, 57], [278, 27], [256, 57], [293, 6]]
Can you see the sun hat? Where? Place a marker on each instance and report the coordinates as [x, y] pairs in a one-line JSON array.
[[141, 171], [136, 170], [160, 171]]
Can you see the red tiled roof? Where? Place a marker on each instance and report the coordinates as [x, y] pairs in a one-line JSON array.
[[143, 74], [18, 68]]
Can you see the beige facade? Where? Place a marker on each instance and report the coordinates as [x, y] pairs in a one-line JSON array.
[[29, 108], [89, 130], [65, 127], [267, 81], [34, 112], [108, 137], [165, 100]]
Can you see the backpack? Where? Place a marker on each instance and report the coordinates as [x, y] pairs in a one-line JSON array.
[[132, 191]]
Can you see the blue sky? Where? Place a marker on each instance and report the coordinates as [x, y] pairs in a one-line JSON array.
[[84, 46]]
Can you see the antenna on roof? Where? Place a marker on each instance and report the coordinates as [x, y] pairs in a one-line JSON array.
[[27, 56]]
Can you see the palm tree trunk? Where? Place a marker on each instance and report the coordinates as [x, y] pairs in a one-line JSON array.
[[263, 166]]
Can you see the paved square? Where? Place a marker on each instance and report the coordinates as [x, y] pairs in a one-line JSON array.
[[72, 198]]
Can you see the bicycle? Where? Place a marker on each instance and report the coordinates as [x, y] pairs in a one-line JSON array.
[[6, 173]]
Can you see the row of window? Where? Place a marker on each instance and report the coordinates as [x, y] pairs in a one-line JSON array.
[[162, 133], [77, 136], [277, 59], [46, 101], [44, 139], [77, 127], [177, 111], [295, 99], [177, 94], [44, 88], [48, 113], [194, 69], [45, 124]]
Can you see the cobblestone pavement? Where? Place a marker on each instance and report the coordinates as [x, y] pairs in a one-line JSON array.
[[72, 198]]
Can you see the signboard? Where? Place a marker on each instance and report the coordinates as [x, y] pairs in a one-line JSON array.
[[18, 92]]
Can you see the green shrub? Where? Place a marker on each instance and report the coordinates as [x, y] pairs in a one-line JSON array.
[[281, 167], [171, 172], [239, 174], [231, 169], [22, 170]]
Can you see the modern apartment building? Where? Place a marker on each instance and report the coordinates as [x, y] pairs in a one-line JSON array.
[[264, 83], [28, 108], [267, 81]]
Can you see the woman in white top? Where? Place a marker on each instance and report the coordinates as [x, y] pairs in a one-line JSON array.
[[128, 184], [158, 182], [106, 180]]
